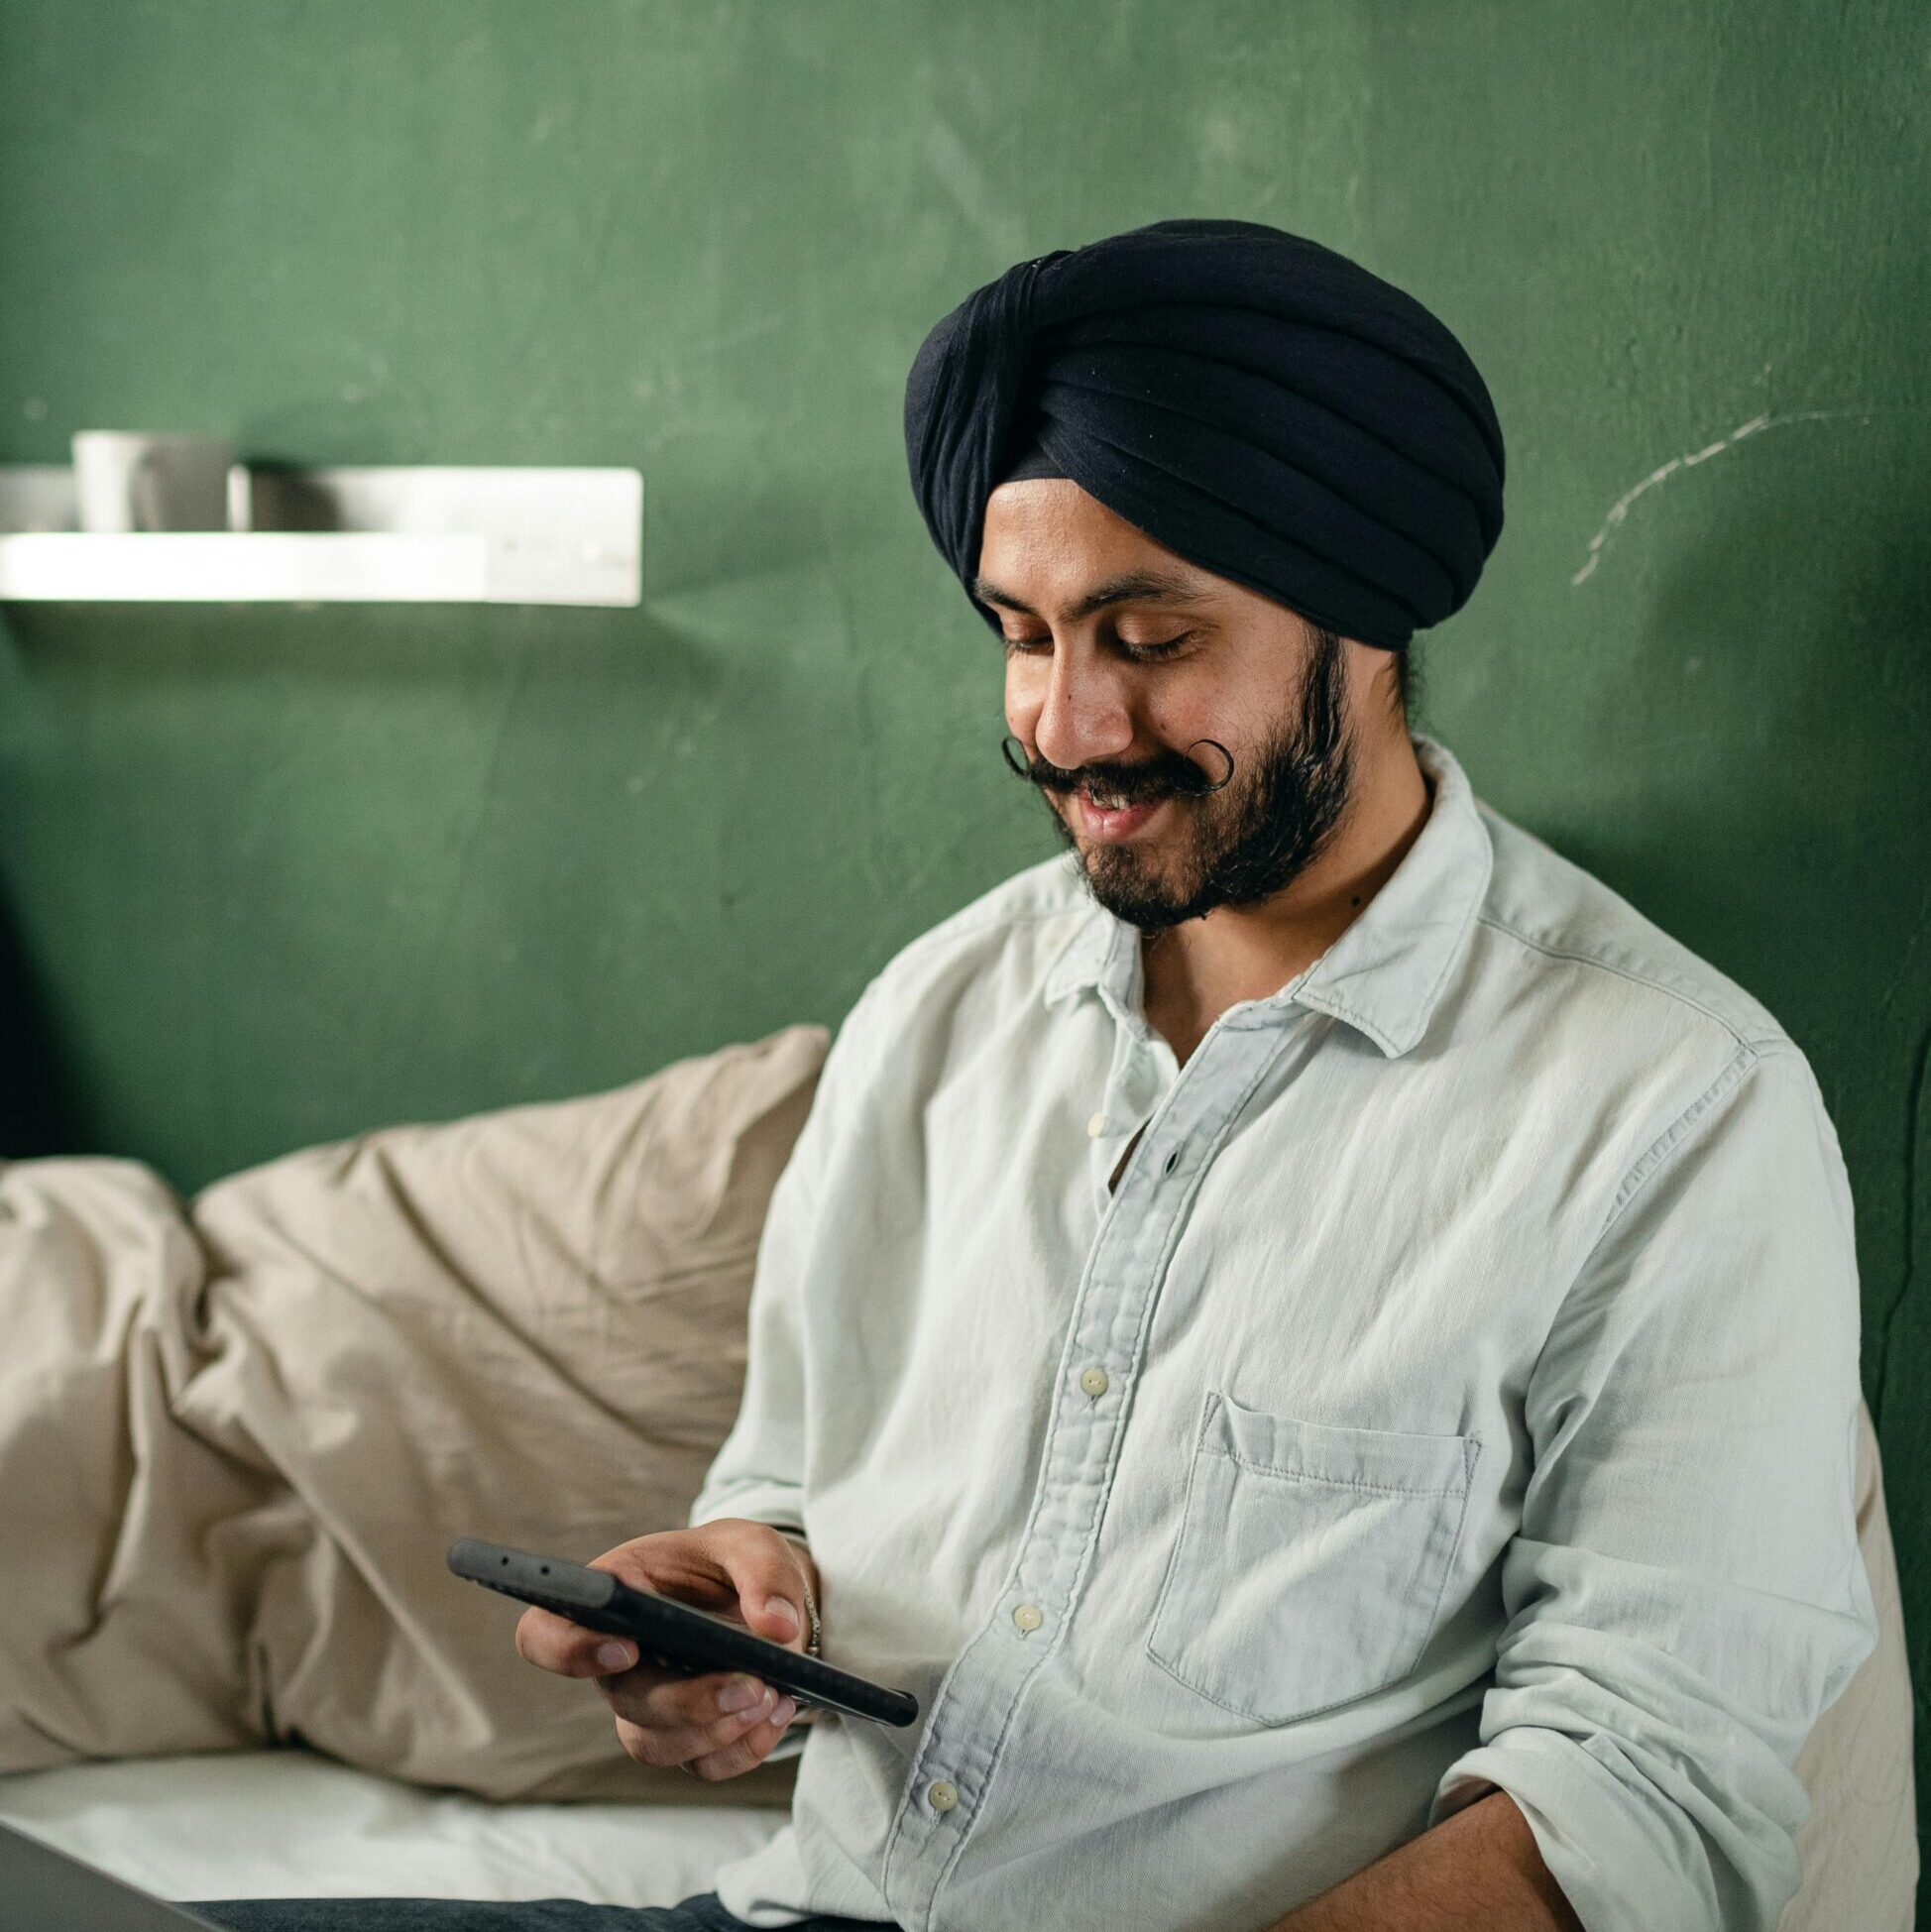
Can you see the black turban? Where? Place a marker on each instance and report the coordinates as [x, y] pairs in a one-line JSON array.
[[1254, 402]]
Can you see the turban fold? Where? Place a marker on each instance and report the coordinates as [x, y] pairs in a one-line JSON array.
[[1261, 406]]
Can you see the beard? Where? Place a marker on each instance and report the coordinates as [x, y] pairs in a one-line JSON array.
[[1240, 844]]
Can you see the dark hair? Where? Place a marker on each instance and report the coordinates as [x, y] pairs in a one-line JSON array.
[[1407, 682]]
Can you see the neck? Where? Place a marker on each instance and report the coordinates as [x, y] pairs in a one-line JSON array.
[[1193, 972]]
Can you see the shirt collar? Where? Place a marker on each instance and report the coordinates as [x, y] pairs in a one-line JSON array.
[[1385, 974]]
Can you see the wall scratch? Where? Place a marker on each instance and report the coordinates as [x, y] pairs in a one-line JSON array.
[[1619, 509]]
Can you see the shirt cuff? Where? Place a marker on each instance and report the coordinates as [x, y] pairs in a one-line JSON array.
[[758, 1500], [1623, 1855]]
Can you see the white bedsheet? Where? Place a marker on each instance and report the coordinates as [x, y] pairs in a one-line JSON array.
[[291, 1824]]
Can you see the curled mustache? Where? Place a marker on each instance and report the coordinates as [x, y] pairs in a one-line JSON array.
[[1161, 777]]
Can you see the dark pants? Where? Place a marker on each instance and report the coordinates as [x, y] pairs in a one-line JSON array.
[[701, 1913]]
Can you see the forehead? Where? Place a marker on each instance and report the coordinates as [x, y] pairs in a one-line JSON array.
[[1046, 544]]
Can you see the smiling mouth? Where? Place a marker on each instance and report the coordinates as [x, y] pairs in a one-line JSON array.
[[1106, 801], [1115, 823]]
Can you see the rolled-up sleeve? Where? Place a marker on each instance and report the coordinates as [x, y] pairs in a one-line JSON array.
[[1685, 1593], [758, 1471]]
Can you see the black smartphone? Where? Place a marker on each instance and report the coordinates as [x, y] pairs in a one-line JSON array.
[[674, 1636]]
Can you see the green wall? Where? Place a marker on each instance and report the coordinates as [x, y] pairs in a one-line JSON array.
[[269, 875]]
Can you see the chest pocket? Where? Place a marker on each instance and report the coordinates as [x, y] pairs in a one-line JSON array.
[[1309, 1562]]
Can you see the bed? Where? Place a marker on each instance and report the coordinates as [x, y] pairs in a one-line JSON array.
[[289, 1823]]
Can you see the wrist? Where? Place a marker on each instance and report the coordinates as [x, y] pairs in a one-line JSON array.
[[814, 1627]]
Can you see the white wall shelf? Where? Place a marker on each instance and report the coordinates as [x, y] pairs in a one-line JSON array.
[[398, 535]]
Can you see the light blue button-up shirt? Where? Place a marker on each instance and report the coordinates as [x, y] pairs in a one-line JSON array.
[[1457, 1390]]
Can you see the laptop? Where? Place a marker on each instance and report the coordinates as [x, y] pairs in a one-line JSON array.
[[44, 1890]]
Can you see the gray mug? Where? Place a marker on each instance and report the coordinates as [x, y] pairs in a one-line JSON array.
[[128, 480]]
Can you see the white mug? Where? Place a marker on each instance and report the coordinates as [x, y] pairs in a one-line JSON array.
[[127, 480]]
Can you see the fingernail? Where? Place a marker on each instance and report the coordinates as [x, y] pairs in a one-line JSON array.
[[739, 1694], [780, 1608], [782, 1710], [614, 1656]]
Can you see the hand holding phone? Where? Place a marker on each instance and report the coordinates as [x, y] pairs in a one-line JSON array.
[[658, 1658]]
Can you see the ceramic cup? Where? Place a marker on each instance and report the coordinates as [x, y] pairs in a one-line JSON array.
[[127, 480]]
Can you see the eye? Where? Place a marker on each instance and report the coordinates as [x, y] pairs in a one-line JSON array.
[[1147, 653], [1152, 653]]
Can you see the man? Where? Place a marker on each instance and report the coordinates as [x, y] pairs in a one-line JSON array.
[[1319, 1344]]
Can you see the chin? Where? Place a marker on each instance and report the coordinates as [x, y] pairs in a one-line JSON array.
[[1126, 878]]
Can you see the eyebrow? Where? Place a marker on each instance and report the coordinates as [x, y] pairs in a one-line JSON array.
[[1136, 586]]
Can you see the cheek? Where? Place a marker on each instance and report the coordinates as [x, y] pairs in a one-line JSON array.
[[1175, 723], [1025, 695]]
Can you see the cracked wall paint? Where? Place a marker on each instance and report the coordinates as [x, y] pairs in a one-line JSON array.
[[1622, 507]]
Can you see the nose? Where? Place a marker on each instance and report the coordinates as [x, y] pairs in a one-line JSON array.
[[1073, 713]]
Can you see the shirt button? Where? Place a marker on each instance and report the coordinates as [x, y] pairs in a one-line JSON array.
[[943, 1795], [1096, 1125], [1094, 1381], [1027, 1616]]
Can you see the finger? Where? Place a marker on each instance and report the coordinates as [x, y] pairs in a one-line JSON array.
[[553, 1642], [652, 1698], [678, 1743], [668, 1745], [748, 1750]]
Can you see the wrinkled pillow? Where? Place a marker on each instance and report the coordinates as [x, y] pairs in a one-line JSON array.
[[255, 1432]]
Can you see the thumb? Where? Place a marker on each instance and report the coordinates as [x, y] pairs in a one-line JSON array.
[[779, 1619], [770, 1593]]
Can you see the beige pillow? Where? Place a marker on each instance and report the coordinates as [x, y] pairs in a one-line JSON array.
[[122, 1604], [1858, 1850], [265, 1428]]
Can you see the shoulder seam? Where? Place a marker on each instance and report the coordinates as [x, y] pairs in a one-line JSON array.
[[1742, 1040], [1746, 1057], [1647, 1165]]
